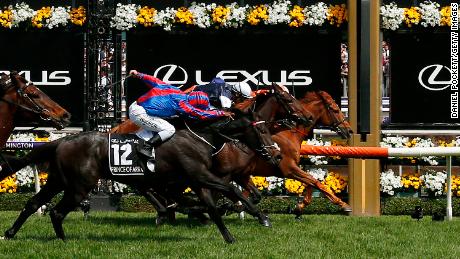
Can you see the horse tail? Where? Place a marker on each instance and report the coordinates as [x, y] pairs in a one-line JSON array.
[[11, 164]]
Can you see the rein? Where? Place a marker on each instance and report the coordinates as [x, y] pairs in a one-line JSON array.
[[37, 109], [117, 82]]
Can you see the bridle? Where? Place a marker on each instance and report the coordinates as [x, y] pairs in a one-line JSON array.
[[21, 91], [336, 122], [264, 149], [292, 118]]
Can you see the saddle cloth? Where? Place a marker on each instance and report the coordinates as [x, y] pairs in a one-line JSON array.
[[124, 158]]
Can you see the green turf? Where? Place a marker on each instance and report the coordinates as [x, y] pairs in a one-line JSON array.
[[133, 235]]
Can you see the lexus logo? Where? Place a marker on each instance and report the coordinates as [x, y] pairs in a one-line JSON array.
[[181, 75], [433, 81], [177, 75]]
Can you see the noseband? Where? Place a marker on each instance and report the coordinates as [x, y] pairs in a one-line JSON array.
[[263, 151], [293, 118], [22, 93]]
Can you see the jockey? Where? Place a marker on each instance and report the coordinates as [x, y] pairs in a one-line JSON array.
[[222, 94], [165, 101]]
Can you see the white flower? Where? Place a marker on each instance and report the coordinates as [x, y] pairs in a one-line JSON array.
[[236, 16], [118, 187], [318, 173], [125, 17], [389, 182], [201, 14], [165, 18], [318, 160], [392, 16], [394, 141], [430, 14], [25, 177], [278, 12], [274, 183], [59, 16], [434, 181], [21, 12], [315, 14]]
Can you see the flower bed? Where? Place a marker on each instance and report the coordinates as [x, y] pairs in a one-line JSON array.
[[216, 16]]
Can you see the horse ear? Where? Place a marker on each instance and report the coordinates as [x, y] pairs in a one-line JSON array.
[[14, 75]]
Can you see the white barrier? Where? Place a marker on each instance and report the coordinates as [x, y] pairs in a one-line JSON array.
[[381, 152]]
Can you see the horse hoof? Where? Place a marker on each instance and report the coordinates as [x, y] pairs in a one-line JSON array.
[[159, 221], [230, 240], [347, 210], [265, 221]]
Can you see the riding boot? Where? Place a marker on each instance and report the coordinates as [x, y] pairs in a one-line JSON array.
[[146, 147]]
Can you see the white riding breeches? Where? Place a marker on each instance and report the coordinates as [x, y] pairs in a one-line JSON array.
[[139, 116]]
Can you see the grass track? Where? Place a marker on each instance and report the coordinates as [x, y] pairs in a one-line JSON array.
[[133, 235]]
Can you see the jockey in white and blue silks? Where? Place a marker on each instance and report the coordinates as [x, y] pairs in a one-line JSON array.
[[164, 101], [222, 94]]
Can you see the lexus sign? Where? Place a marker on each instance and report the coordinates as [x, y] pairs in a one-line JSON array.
[[177, 75], [260, 58]]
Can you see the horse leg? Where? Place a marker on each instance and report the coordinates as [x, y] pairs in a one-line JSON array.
[[299, 175], [206, 197], [253, 193], [232, 192], [33, 204], [159, 207], [68, 203]]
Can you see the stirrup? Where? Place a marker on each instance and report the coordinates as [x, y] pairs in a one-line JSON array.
[[145, 149]]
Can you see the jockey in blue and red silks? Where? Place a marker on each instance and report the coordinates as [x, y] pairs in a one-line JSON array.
[[166, 101]]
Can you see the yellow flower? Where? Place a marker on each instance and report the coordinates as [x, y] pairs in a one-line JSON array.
[[446, 16], [335, 182], [219, 14], [146, 16], [411, 181], [188, 190], [412, 16], [184, 16], [257, 15], [337, 14], [8, 184], [6, 18], [42, 15], [294, 186], [259, 182], [297, 16], [78, 15]]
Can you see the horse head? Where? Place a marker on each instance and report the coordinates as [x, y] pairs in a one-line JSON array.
[[254, 132], [292, 110], [29, 102], [326, 112]]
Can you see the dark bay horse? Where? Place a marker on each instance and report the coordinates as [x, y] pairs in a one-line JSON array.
[[77, 162], [21, 100]]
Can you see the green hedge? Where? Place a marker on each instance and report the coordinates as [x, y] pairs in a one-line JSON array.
[[270, 204]]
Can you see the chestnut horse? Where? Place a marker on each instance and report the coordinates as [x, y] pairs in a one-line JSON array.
[[325, 112], [21, 100]]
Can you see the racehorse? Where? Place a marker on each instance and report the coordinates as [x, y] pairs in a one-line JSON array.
[[325, 112], [77, 162], [21, 100]]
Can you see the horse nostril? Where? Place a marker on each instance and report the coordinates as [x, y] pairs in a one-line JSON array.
[[278, 158], [66, 116]]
